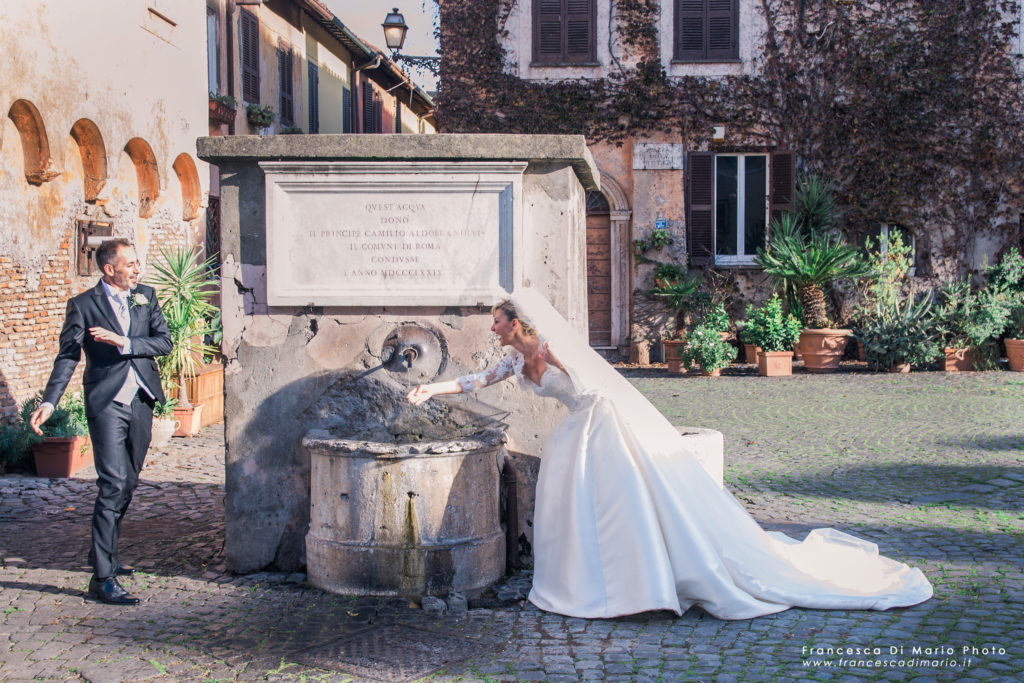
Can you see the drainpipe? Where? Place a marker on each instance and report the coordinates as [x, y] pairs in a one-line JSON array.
[[510, 486], [229, 38]]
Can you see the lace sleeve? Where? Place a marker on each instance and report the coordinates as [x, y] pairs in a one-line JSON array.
[[504, 369]]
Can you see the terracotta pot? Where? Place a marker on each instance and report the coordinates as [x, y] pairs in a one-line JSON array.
[[673, 352], [750, 351], [959, 360], [1015, 354], [62, 456], [862, 353], [902, 368], [221, 113], [775, 363], [823, 348], [189, 420], [713, 373], [163, 430]]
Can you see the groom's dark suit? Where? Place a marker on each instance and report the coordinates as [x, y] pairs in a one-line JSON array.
[[120, 432]]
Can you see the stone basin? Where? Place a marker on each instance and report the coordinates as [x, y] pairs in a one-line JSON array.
[[404, 519]]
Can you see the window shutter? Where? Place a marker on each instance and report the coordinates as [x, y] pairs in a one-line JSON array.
[[284, 86], [547, 31], [690, 29], [249, 47], [368, 116], [314, 98], [783, 182], [579, 31], [723, 22], [378, 113], [398, 116], [700, 194], [346, 110]]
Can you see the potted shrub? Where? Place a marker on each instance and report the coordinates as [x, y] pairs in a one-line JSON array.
[[706, 347], [773, 333], [261, 117], [810, 263], [676, 288], [899, 335], [222, 108], [743, 335], [967, 325], [64, 448], [184, 285], [164, 424], [1007, 278]]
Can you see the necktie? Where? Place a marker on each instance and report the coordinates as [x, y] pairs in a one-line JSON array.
[[131, 384]]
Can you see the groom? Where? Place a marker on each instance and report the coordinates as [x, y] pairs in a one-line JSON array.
[[119, 325]]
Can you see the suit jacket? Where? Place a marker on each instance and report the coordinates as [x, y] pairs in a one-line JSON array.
[[105, 368]]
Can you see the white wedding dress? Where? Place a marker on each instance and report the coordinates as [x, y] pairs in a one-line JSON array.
[[628, 521]]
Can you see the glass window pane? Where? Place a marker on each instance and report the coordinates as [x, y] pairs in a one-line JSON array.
[[755, 179], [726, 186]]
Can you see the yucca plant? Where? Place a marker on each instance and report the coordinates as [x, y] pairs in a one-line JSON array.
[[809, 264], [185, 285], [900, 331]]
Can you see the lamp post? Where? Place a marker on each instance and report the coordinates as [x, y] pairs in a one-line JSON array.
[[395, 29]]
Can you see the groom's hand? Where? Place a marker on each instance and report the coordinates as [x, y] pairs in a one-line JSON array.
[[102, 334], [39, 416]]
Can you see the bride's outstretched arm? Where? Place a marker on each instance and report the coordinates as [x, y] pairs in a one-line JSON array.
[[423, 392]]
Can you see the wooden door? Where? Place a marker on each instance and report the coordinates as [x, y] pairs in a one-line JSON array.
[[599, 270]]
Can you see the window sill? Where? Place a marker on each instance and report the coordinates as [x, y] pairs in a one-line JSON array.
[[562, 65], [737, 264], [737, 60]]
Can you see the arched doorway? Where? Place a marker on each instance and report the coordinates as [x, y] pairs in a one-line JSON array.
[[599, 270]]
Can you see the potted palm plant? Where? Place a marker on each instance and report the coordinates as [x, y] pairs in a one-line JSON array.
[[773, 333], [809, 263], [185, 285], [673, 285]]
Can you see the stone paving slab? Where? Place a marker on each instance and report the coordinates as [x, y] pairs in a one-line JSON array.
[[929, 466]]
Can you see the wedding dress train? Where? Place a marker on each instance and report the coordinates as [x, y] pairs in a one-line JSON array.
[[628, 521]]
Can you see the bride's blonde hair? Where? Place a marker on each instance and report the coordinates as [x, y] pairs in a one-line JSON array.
[[509, 309]]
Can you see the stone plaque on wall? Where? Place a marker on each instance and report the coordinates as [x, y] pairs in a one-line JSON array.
[[392, 233], [649, 156]]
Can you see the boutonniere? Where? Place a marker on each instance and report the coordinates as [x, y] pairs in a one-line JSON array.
[[137, 299]]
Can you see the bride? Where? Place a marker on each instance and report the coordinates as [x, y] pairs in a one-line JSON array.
[[628, 521]]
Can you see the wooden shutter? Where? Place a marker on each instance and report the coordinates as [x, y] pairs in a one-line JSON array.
[[378, 113], [249, 47], [723, 22], [700, 208], [547, 31], [691, 19], [346, 110], [314, 98], [398, 116], [783, 182], [284, 85], [579, 31]]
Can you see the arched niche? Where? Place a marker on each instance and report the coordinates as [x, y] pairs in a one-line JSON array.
[[94, 157], [191, 192], [146, 173], [39, 167]]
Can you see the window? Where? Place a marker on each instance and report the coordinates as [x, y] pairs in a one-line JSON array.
[[346, 110], [563, 32], [285, 78], [741, 208], [212, 60], [373, 110], [314, 98], [706, 30], [249, 48], [730, 199]]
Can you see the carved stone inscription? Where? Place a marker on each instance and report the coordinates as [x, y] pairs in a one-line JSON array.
[[359, 238]]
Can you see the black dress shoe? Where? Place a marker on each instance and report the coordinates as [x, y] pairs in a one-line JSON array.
[[111, 592], [125, 570]]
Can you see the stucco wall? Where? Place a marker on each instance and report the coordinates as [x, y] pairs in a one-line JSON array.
[[133, 76]]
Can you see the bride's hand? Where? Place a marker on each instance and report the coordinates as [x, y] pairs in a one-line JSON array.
[[419, 394]]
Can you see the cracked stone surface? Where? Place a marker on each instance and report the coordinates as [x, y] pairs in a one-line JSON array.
[[929, 466]]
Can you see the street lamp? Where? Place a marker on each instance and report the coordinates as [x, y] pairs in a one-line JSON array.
[[395, 29]]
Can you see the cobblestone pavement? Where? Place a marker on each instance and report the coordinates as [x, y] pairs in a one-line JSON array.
[[928, 465]]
